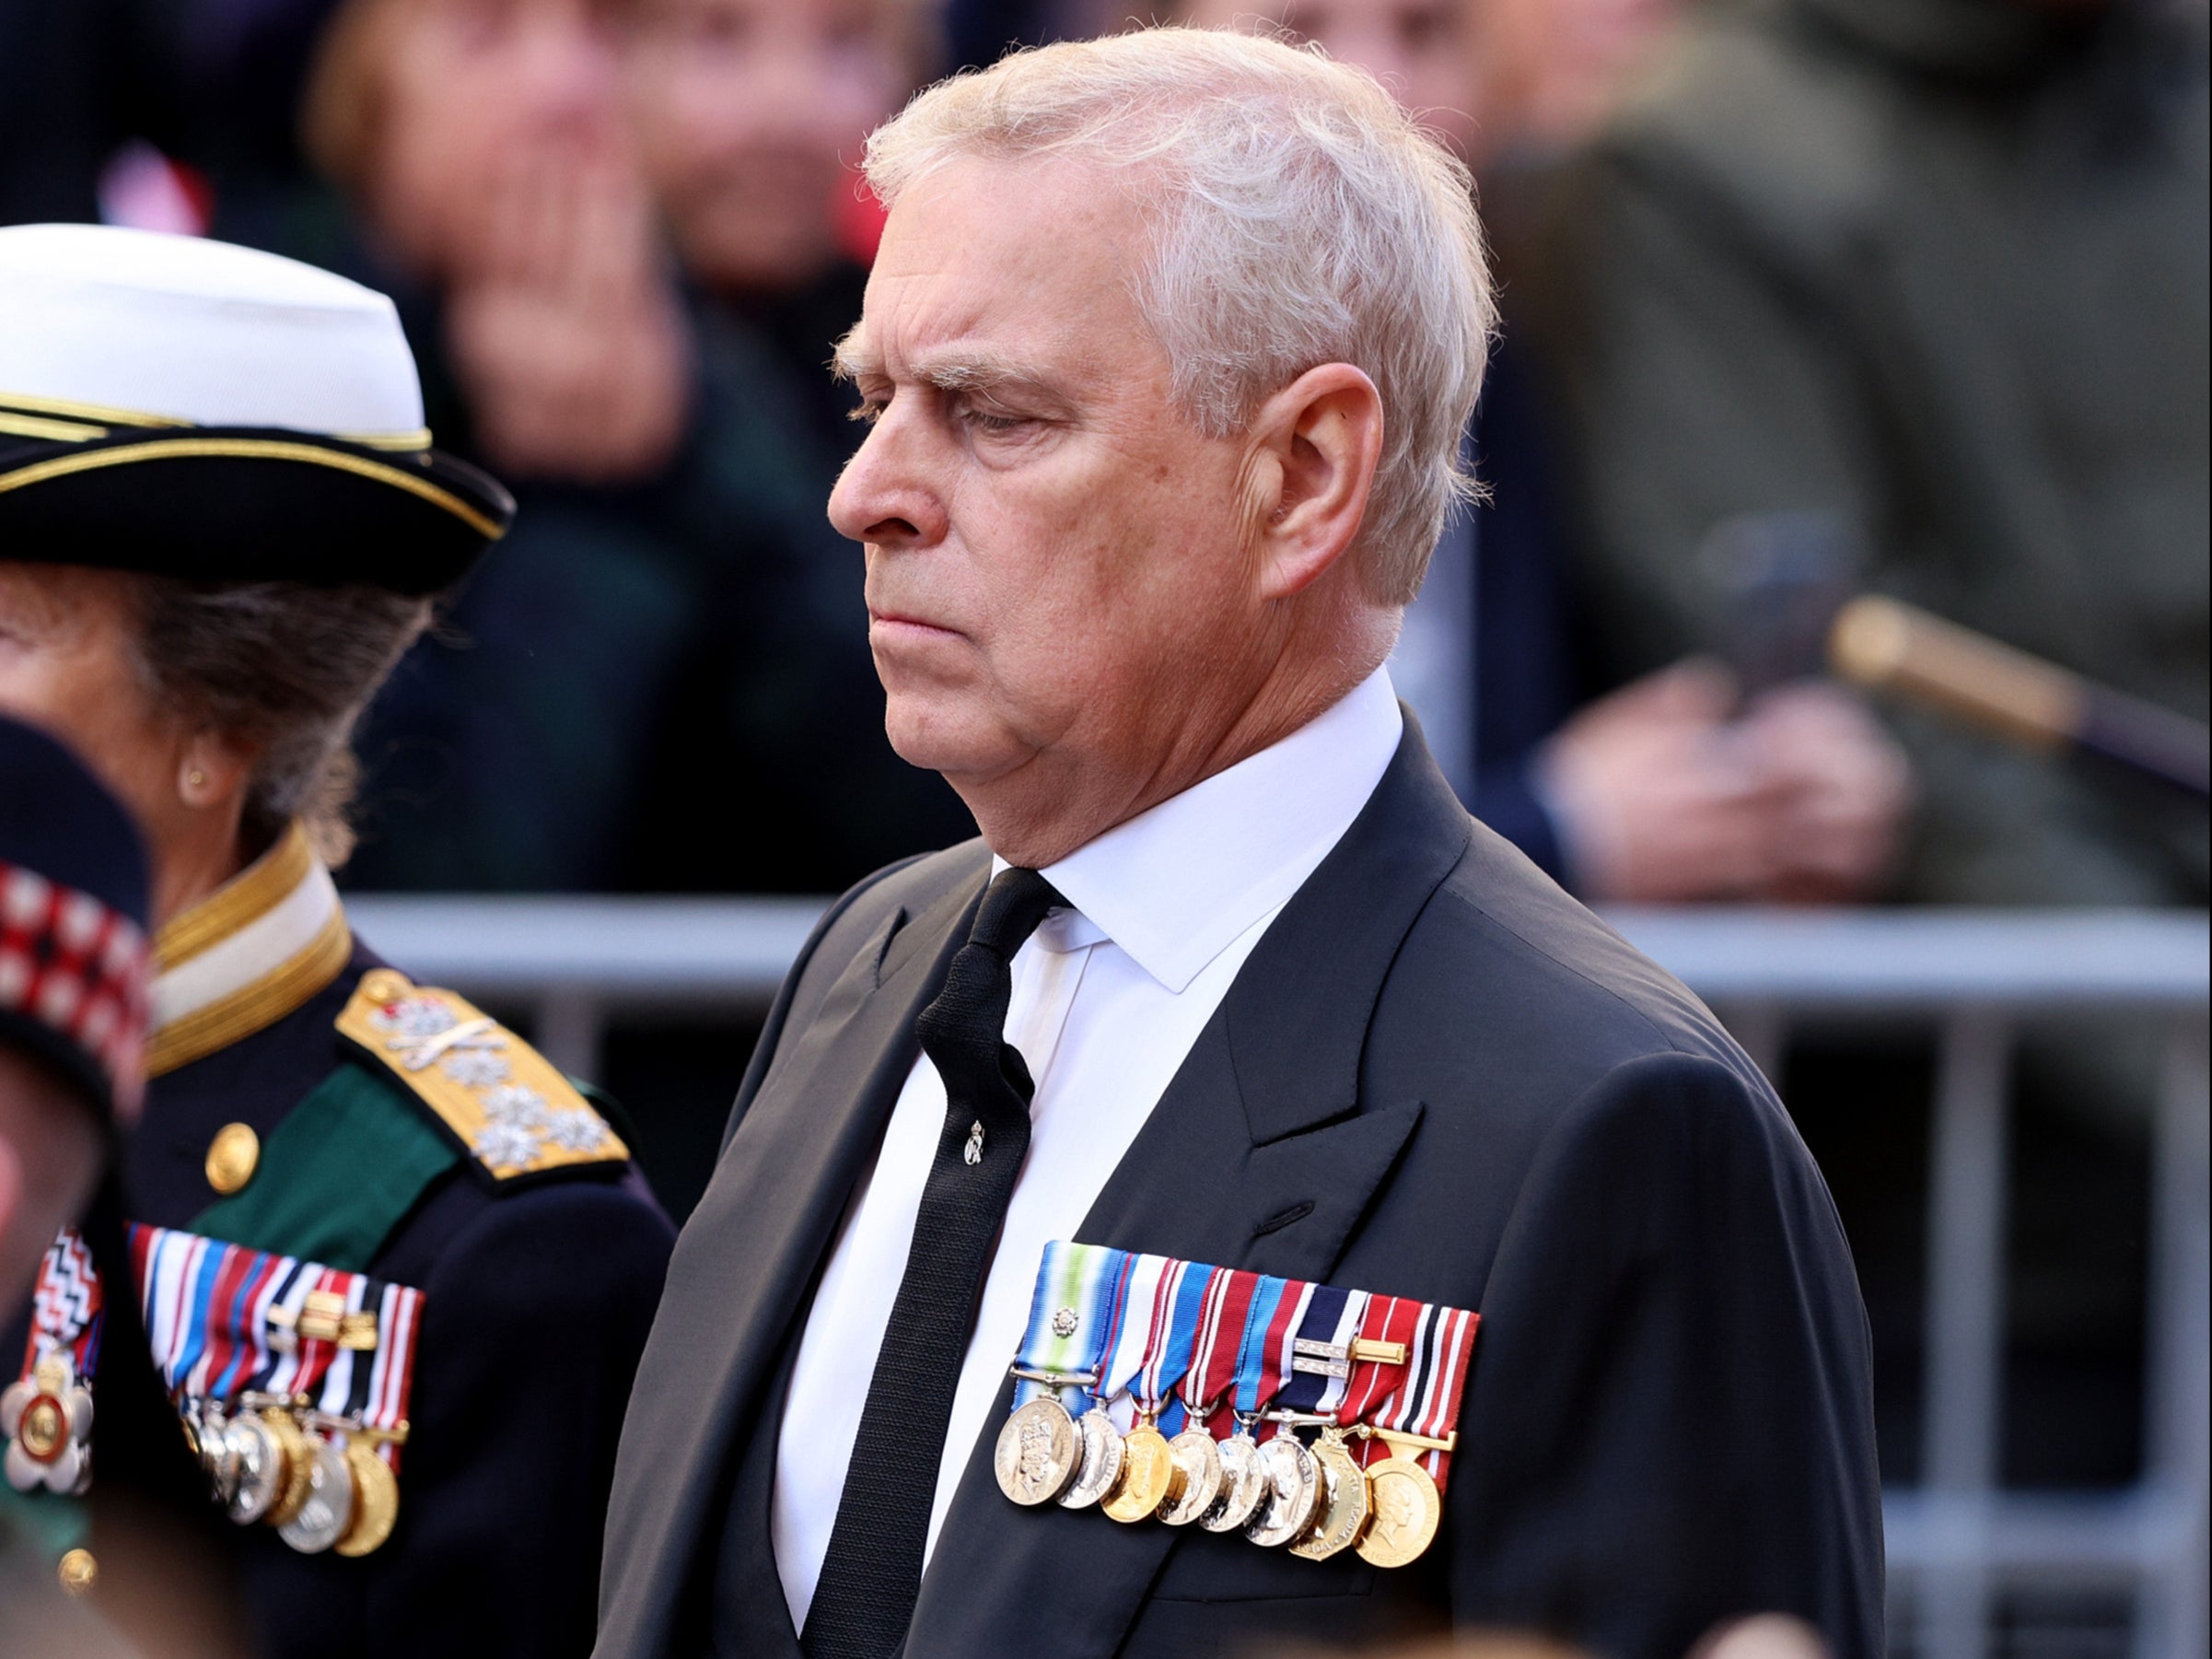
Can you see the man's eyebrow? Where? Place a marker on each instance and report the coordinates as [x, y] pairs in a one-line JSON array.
[[948, 372]]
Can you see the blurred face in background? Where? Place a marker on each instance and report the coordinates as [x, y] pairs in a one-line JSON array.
[[1555, 68], [1421, 48], [1487, 76], [440, 113], [749, 113]]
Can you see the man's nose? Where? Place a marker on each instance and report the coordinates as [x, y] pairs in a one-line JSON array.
[[886, 494]]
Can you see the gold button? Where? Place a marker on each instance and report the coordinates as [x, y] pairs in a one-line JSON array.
[[231, 1157], [78, 1572]]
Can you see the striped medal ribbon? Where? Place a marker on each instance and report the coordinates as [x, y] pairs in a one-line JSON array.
[[1417, 1424], [1174, 1344], [46, 1413], [1386, 1332], [293, 1380], [1069, 1312], [1148, 1476], [1042, 1456]]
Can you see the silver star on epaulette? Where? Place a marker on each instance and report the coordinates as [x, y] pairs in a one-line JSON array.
[[517, 1104], [577, 1131], [506, 1144], [474, 1068]]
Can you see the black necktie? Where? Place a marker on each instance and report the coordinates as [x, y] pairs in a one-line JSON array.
[[872, 1571]]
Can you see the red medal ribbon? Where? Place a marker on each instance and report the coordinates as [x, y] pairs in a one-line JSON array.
[[1221, 1329]]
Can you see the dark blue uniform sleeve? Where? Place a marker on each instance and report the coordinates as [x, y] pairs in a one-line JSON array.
[[1674, 1383], [533, 1323]]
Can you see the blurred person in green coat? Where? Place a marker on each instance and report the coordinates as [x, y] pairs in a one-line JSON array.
[[1935, 270]]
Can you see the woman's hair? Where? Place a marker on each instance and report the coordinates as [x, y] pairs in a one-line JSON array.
[[1298, 216], [284, 669]]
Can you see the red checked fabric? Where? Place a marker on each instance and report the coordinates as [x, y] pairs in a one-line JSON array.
[[71, 964]]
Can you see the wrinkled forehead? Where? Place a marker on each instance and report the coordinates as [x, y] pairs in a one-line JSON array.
[[1029, 260]]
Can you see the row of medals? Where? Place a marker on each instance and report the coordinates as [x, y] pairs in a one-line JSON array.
[[275, 1463], [1316, 1501]]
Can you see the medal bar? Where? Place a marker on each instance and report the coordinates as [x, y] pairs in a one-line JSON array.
[[1313, 1418]]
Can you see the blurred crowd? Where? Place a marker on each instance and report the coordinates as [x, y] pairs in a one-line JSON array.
[[1802, 297]]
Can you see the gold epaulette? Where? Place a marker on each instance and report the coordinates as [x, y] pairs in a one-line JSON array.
[[500, 1097]]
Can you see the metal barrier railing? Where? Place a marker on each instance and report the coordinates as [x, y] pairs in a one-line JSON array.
[[1957, 1539]]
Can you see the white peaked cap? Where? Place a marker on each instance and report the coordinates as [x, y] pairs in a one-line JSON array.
[[181, 329]]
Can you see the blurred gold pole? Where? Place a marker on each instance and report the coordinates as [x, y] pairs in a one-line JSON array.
[[1886, 645]]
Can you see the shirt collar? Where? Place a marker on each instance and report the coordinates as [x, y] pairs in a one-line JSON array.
[[1176, 885]]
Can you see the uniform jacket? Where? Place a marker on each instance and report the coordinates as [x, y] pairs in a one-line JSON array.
[[1436, 1076], [538, 1293]]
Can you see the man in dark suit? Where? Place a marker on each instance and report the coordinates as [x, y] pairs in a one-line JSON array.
[[1168, 352]]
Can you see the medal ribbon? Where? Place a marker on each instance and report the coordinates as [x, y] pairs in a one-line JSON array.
[[1428, 1401], [1213, 1372], [212, 1311], [1136, 1326], [65, 1308], [1264, 1357], [1388, 1319], [1333, 1319], [1075, 1284], [1182, 1304]]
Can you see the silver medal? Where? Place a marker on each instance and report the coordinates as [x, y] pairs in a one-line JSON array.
[[1039, 1451], [1101, 1466], [260, 1463], [328, 1510], [1294, 1484], [1243, 1485], [1200, 1461]]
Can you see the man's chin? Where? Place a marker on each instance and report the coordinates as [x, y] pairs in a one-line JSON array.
[[940, 735]]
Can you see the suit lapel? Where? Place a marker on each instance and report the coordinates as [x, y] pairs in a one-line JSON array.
[[1260, 1154], [750, 1250]]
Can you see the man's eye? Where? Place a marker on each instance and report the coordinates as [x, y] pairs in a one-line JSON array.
[[867, 411], [986, 420]]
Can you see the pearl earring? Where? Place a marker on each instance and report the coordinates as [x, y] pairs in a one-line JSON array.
[[196, 778]]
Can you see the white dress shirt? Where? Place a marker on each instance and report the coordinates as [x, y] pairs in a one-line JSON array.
[[1108, 999]]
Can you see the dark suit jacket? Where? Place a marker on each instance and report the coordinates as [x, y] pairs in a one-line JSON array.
[[1437, 1076]]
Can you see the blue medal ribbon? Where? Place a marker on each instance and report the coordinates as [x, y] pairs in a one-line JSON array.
[[1302, 1390], [1172, 1363], [1070, 1313], [1252, 1353]]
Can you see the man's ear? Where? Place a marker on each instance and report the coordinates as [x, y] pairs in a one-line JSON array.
[[1315, 445]]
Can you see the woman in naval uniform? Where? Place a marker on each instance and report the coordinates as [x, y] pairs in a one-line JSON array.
[[377, 1276]]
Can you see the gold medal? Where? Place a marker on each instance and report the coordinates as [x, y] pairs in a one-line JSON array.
[[376, 1499], [45, 1429], [324, 1515], [1293, 1499], [1100, 1475], [1150, 1476], [1199, 1460], [297, 1461], [1243, 1484], [1039, 1451], [1407, 1513], [1345, 1504]]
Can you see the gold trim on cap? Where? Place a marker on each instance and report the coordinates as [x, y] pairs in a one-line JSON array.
[[252, 449], [34, 426], [253, 1007], [417, 439], [245, 898], [78, 427], [91, 412]]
